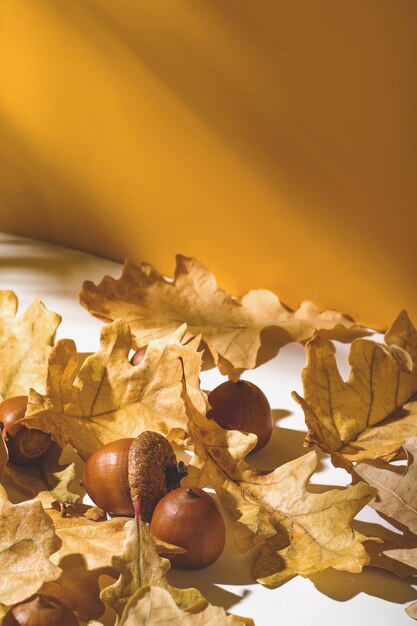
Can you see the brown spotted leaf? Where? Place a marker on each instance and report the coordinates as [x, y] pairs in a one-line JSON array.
[[304, 532], [373, 413], [109, 398], [232, 328], [27, 541]]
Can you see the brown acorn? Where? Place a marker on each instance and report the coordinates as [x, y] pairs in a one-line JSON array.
[[121, 471], [25, 445], [189, 517], [242, 406], [138, 356], [40, 610]]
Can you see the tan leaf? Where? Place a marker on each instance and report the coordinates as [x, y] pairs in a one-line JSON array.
[[153, 606], [25, 343], [397, 501], [412, 610], [97, 541], [27, 541], [231, 327], [140, 564], [370, 415], [46, 480], [86, 553], [397, 492], [305, 532], [109, 398], [77, 587]]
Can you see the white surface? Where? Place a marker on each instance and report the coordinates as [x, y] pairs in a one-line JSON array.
[[374, 597]]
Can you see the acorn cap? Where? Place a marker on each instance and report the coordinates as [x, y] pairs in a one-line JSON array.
[[152, 471]]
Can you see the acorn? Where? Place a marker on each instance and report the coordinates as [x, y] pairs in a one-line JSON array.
[[121, 471], [241, 405], [25, 445], [138, 356], [189, 517], [40, 610]]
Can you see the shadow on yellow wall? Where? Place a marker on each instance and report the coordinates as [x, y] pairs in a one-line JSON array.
[[275, 141]]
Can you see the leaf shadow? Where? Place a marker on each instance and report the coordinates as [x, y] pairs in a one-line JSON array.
[[285, 445], [209, 588], [343, 586], [384, 578]]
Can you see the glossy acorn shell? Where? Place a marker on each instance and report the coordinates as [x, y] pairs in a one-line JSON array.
[[242, 406], [189, 517], [106, 477], [138, 356], [40, 610], [25, 445]]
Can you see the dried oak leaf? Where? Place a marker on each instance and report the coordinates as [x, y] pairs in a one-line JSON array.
[[86, 553], [305, 532], [47, 480], [372, 414], [140, 564], [109, 398], [153, 606], [25, 343], [27, 541], [231, 327], [397, 501]]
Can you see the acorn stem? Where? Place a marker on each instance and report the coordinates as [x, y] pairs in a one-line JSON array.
[[63, 509], [174, 474]]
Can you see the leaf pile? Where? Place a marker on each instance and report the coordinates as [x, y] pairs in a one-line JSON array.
[[232, 328], [305, 532], [86, 403]]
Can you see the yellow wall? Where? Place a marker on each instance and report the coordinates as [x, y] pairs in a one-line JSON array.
[[275, 140]]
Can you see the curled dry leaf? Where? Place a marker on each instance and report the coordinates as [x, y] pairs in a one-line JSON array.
[[86, 553], [231, 327], [397, 500], [25, 343], [305, 532], [46, 480], [27, 541], [110, 398], [153, 606], [139, 565], [372, 414]]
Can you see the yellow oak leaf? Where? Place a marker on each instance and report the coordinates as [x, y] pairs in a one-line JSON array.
[[140, 564], [25, 343], [86, 553], [239, 332], [27, 541], [371, 414], [46, 480], [153, 606], [109, 398], [305, 532], [97, 541]]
